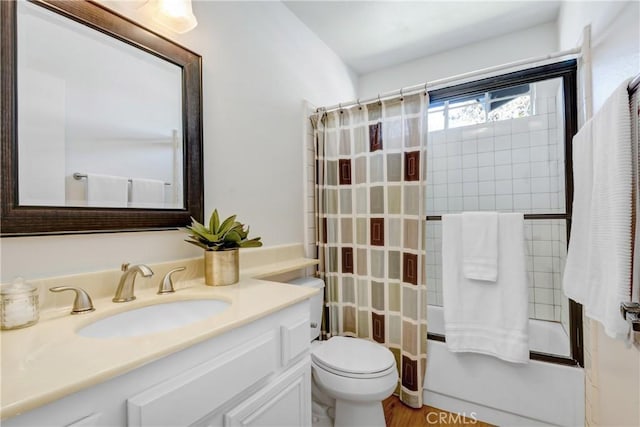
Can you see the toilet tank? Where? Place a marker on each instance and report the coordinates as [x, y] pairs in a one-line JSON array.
[[316, 302]]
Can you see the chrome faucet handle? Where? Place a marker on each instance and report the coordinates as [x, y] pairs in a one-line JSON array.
[[166, 286], [82, 303]]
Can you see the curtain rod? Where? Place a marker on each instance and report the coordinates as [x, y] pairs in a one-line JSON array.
[[410, 90]]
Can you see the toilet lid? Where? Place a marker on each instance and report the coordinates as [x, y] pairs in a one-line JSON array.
[[353, 356]]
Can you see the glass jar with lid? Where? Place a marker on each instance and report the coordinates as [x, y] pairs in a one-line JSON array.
[[18, 305]]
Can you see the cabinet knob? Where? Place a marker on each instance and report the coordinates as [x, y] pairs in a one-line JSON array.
[[82, 303]]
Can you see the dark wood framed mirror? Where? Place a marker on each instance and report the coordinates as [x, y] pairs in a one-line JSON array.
[[20, 217]]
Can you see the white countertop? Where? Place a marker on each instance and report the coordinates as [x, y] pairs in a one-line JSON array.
[[48, 361]]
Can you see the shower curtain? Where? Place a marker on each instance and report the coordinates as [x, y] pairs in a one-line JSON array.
[[370, 175]]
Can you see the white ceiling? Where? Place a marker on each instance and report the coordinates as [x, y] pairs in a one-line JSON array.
[[371, 35]]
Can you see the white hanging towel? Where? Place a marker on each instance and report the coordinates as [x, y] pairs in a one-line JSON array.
[[485, 319], [598, 269], [480, 245], [147, 193], [107, 191]]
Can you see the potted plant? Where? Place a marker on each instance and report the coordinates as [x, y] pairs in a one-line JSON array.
[[221, 241]]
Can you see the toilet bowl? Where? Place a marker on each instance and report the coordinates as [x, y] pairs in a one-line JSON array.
[[350, 376], [357, 374]]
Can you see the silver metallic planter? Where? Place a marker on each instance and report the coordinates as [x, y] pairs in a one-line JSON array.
[[221, 267]]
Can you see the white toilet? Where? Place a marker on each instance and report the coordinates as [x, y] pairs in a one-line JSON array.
[[350, 376]]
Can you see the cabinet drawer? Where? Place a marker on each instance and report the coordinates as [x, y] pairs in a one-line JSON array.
[[286, 402], [295, 340], [186, 398]]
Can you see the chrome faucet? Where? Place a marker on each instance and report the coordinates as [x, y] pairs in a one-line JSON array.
[[124, 292]]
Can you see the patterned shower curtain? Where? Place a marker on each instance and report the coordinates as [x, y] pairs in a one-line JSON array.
[[370, 176]]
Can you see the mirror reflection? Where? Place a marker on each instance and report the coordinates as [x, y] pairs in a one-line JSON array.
[[99, 121]]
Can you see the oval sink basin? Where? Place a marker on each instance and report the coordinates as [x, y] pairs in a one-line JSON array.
[[153, 318]]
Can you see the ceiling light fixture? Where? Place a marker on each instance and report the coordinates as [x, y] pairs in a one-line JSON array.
[[177, 15]]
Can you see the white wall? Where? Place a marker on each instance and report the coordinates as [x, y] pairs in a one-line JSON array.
[[260, 62], [615, 40], [532, 42], [263, 63], [612, 370]]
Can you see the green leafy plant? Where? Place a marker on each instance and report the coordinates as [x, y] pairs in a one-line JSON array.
[[220, 236]]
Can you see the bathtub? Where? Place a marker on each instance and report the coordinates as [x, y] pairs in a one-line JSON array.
[[503, 393], [544, 337]]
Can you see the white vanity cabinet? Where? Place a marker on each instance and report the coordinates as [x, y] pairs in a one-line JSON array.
[[258, 374]]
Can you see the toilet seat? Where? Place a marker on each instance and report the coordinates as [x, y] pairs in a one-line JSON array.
[[353, 358], [388, 371]]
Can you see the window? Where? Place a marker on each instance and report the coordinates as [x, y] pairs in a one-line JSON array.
[[500, 104]]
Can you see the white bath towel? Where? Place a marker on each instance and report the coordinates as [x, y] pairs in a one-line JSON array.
[[480, 245], [107, 191], [635, 131], [598, 269], [485, 319], [147, 193], [575, 271]]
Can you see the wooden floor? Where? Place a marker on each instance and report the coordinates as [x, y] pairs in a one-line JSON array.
[[397, 414]]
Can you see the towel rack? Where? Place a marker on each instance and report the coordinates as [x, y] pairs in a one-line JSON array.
[[526, 216], [630, 312], [79, 176]]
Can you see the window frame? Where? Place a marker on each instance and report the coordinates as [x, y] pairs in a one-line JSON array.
[[454, 104]]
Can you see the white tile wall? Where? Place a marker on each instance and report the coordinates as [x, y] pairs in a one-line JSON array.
[[520, 168], [557, 105], [512, 165]]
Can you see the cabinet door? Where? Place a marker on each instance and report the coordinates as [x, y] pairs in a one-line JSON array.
[[187, 397], [284, 402], [295, 340]]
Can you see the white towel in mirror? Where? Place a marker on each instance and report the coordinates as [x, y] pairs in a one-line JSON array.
[[107, 191], [147, 193]]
